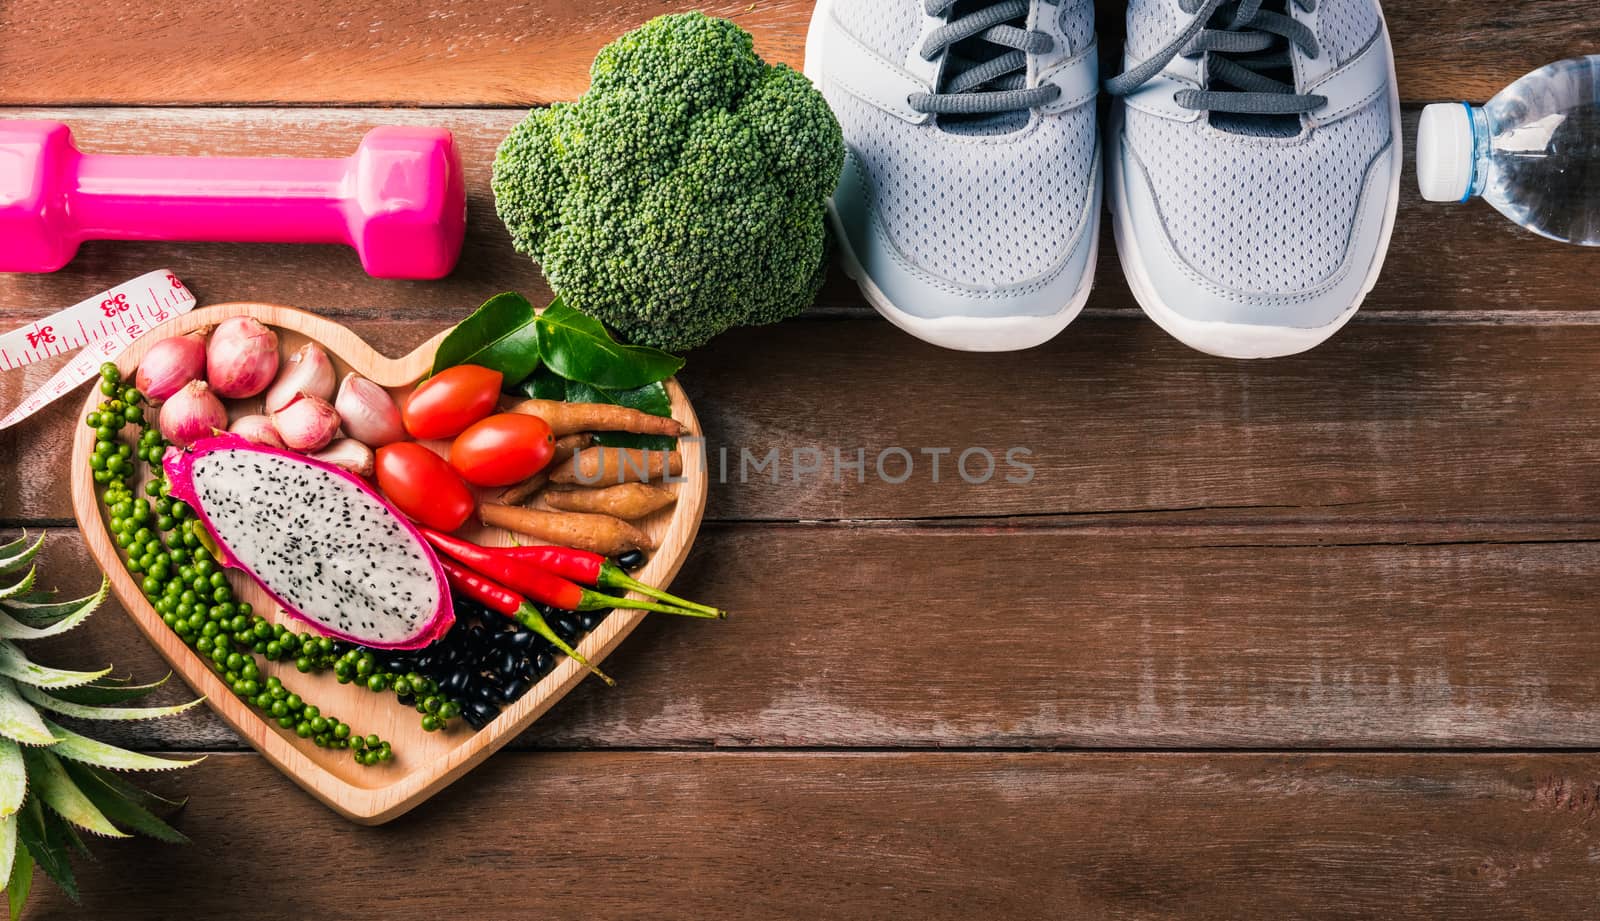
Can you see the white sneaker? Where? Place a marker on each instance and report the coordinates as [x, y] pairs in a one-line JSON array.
[[968, 208], [1255, 159]]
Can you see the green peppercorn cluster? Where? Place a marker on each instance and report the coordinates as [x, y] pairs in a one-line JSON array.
[[361, 666], [164, 543]]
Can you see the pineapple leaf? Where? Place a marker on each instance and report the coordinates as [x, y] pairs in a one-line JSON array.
[[51, 784], [12, 629], [21, 589], [19, 721], [137, 795], [67, 708], [13, 664], [122, 810], [48, 846], [75, 747], [15, 555], [24, 608], [106, 691], [8, 845], [13, 778], [20, 879], [63, 829], [37, 609]]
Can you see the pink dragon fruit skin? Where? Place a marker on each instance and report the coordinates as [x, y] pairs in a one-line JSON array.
[[179, 467]]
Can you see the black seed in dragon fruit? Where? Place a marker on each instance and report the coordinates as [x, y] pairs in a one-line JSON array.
[[327, 548]]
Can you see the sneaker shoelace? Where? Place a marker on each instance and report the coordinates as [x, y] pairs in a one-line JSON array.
[[1244, 44], [986, 59]]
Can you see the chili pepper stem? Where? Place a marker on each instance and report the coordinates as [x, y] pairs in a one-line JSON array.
[[529, 617], [612, 576], [594, 601]]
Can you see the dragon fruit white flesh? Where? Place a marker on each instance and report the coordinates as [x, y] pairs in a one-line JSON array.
[[323, 544]]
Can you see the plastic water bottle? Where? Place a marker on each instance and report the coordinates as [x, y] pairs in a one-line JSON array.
[[1533, 152]]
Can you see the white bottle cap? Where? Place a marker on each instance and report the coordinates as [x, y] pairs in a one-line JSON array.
[[1444, 152]]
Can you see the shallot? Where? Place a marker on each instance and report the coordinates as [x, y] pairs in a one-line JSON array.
[[193, 413], [170, 364], [349, 455], [308, 370], [306, 423], [241, 358], [369, 414], [258, 429]]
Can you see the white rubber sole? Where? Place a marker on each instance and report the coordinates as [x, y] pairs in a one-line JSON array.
[[1240, 340], [959, 333]]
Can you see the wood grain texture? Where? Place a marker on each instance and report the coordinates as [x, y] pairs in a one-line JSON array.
[[1444, 258], [1102, 637], [1387, 422], [872, 836], [425, 762], [451, 52]]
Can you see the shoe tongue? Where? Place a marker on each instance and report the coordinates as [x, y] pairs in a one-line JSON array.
[[1258, 126], [980, 125], [965, 55], [1263, 126]]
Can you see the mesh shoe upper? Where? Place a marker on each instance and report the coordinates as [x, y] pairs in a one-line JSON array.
[[1260, 214], [989, 210], [889, 27], [988, 203]]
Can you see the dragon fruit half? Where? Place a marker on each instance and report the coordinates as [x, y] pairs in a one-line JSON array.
[[324, 545]]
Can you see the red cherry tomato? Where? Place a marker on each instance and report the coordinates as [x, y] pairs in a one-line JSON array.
[[423, 486], [503, 449], [445, 404]]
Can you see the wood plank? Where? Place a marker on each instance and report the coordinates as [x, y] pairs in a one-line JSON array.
[[1443, 258], [1105, 637], [211, 52], [868, 836], [1387, 422]]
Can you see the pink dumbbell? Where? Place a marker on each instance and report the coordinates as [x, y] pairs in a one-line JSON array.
[[400, 200]]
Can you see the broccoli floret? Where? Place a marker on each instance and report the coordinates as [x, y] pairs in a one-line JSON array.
[[684, 193]]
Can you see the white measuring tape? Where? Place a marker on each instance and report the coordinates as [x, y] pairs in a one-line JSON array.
[[102, 326]]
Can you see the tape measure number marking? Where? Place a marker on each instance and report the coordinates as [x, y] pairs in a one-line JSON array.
[[102, 326]]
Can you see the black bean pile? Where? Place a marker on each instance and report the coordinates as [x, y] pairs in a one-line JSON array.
[[488, 661]]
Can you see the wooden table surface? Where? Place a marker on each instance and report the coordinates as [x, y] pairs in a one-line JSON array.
[[1303, 638]]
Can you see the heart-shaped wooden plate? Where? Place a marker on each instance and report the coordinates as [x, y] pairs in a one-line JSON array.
[[424, 762]]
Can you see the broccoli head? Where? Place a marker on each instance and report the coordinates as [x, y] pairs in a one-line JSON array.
[[684, 193]]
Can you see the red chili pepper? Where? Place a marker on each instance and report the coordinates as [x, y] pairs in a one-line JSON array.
[[502, 600], [577, 565], [547, 587], [592, 569]]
